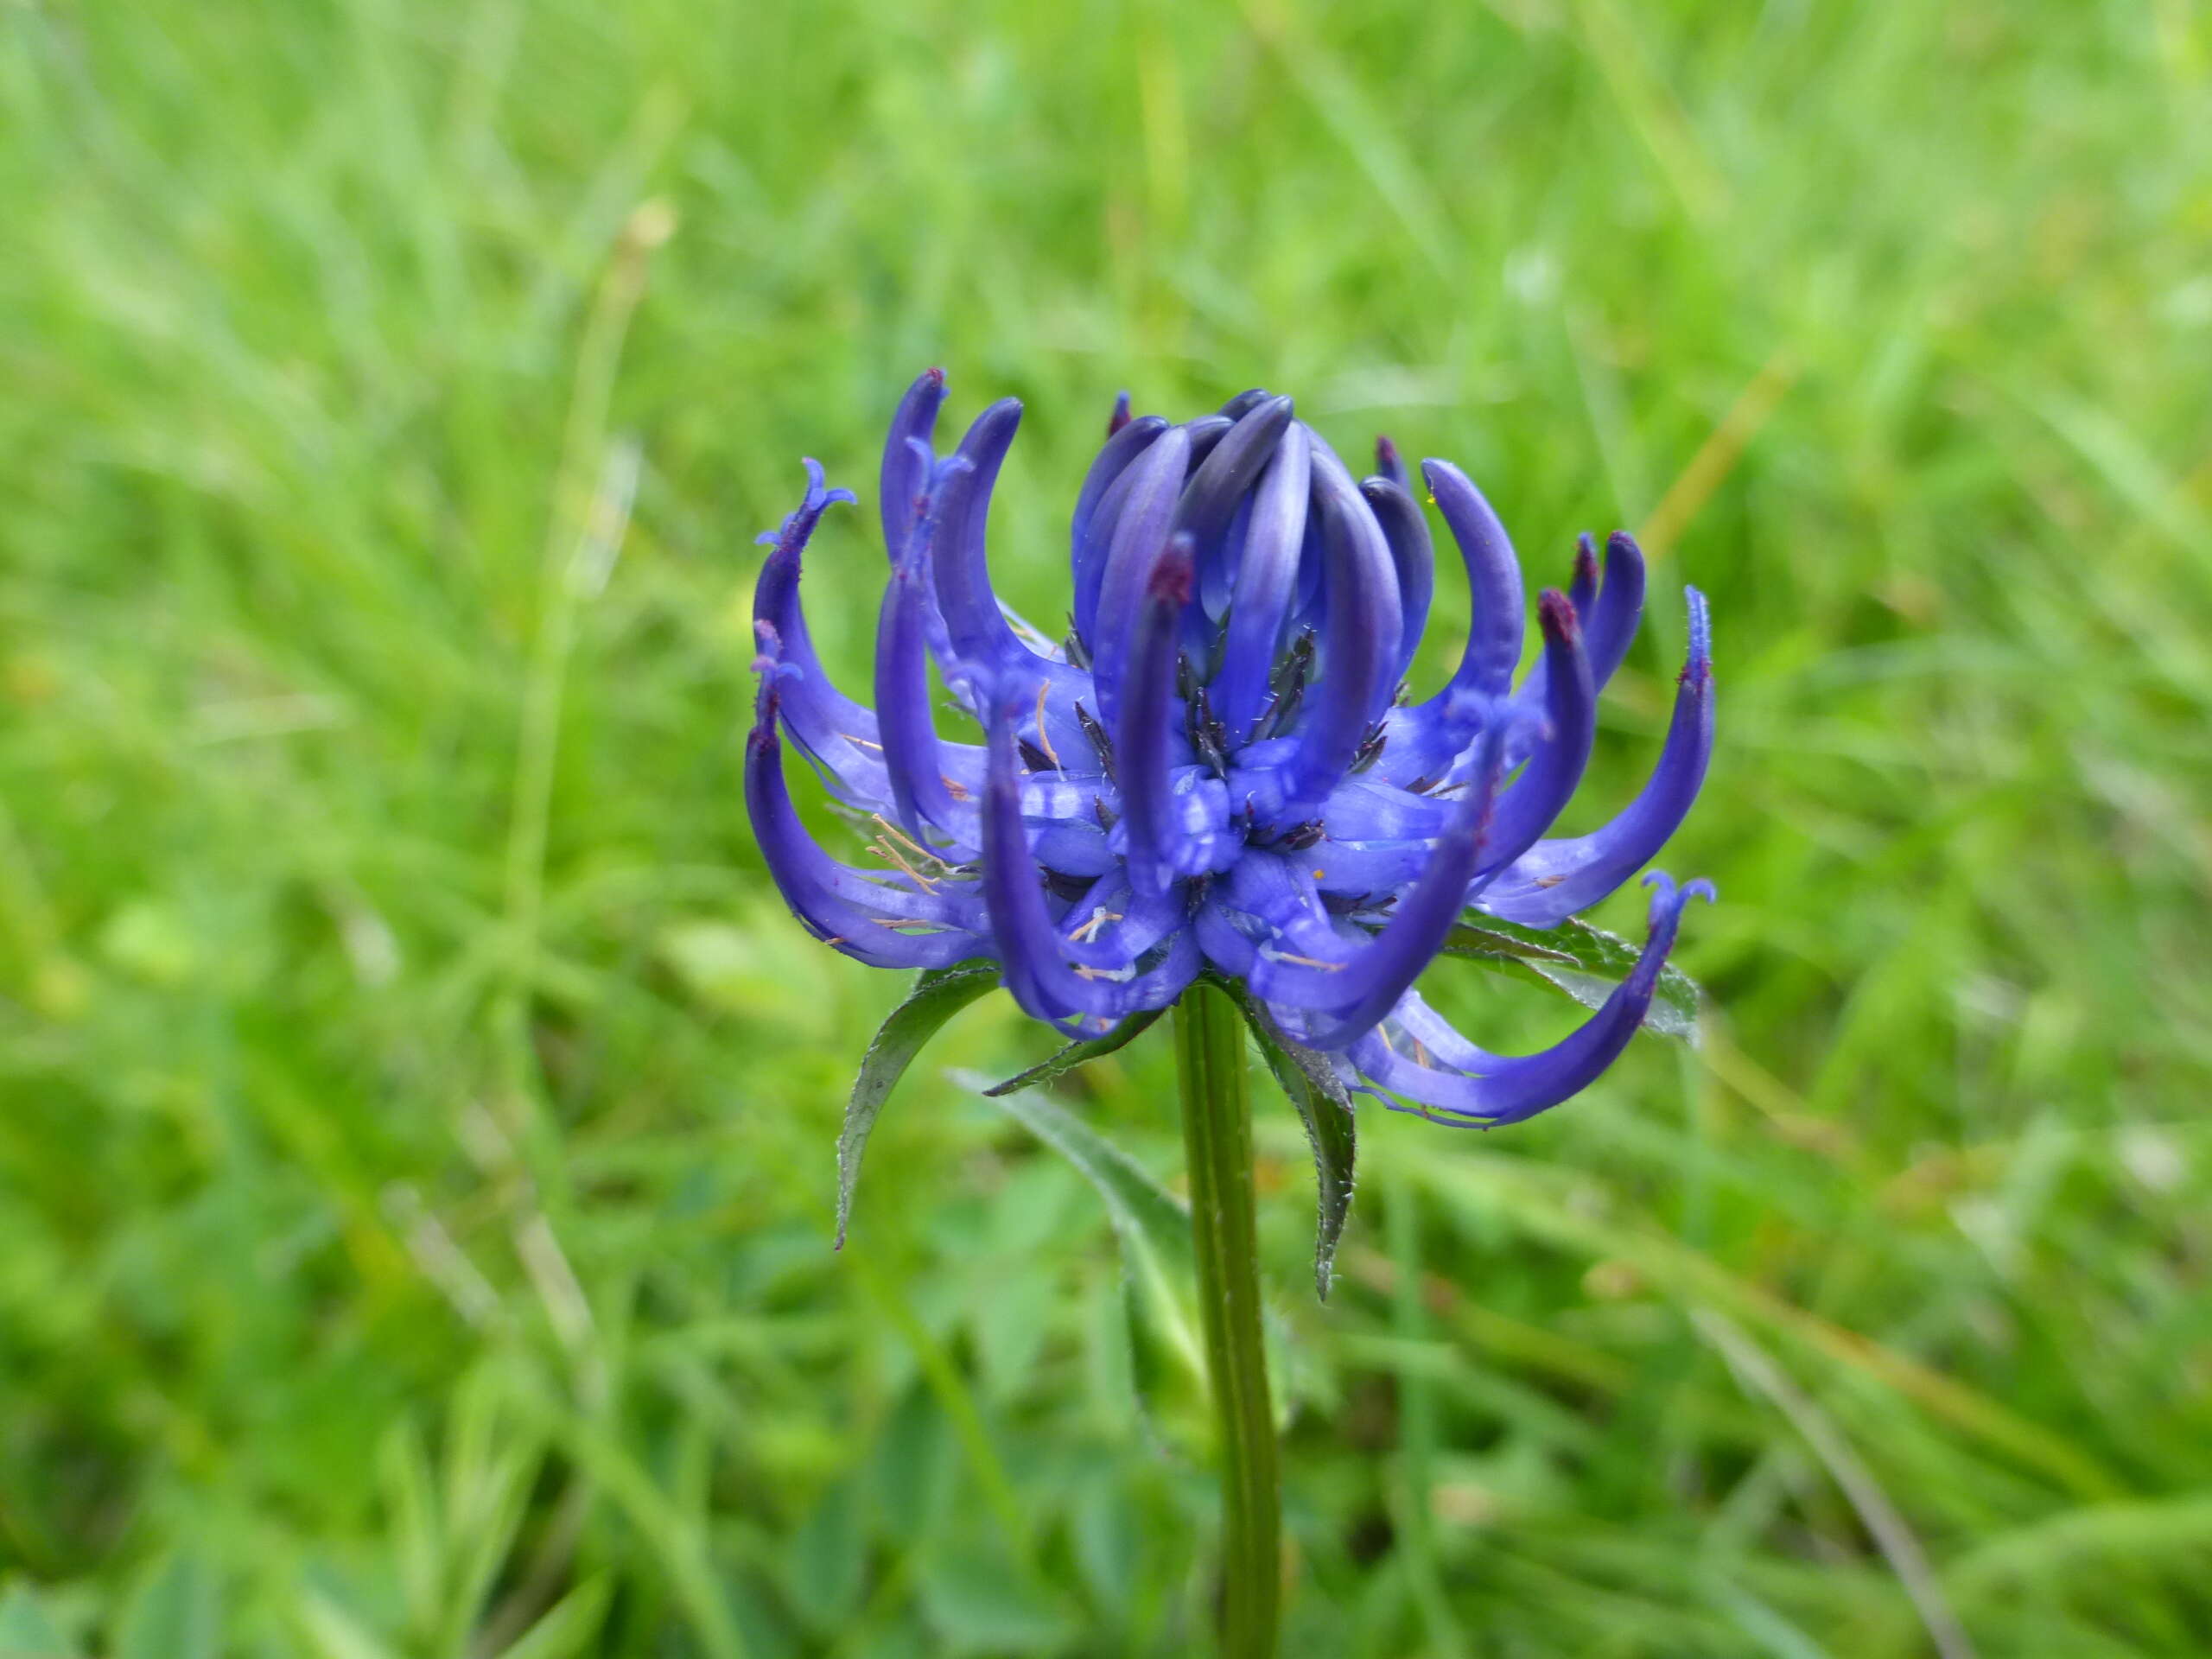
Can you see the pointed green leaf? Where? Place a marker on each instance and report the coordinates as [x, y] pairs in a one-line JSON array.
[[1324, 1106], [1092, 1048], [1577, 961], [938, 994]]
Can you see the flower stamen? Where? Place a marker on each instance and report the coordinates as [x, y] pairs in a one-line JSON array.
[[890, 855], [1098, 919], [1044, 737]]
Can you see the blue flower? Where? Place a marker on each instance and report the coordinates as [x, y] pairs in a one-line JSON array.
[[1218, 768]]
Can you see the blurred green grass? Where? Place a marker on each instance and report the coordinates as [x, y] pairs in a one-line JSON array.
[[416, 1109]]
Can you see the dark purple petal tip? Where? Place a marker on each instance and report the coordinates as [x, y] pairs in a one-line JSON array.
[[1171, 577], [1389, 462], [1555, 614]]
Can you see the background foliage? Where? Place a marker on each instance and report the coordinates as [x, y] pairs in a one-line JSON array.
[[417, 1114]]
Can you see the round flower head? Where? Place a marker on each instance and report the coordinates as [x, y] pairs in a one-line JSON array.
[[1218, 768]]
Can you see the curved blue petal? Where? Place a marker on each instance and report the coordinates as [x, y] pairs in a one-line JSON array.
[[1543, 790], [1144, 739], [1041, 981], [1609, 616], [1222, 478], [1148, 517], [1216, 505], [1269, 900], [1359, 638], [1266, 582], [1097, 508], [837, 734], [1451, 1076], [1217, 567], [984, 645], [1555, 879], [919, 791], [1423, 741], [1047, 984], [1357, 993], [1206, 432], [1619, 606], [908, 461], [1496, 620], [1111, 926], [1391, 464], [1110, 931], [1583, 590], [1412, 556], [840, 906]]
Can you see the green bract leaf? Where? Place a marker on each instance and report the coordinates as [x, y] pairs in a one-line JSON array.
[[1324, 1106], [938, 994], [1576, 960], [1132, 1026]]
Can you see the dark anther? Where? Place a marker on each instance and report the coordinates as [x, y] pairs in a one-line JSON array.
[[1398, 697], [1286, 680], [1034, 758], [1389, 462], [1346, 904], [1107, 817], [1099, 741], [1186, 678], [1290, 668], [1422, 786], [1217, 652], [1300, 836], [1195, 890], [1280, 710], [1078, 652], [1208, 735], [1063, 885], [1370, 747]]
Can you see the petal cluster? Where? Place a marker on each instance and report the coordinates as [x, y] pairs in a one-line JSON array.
[[1218, 766]]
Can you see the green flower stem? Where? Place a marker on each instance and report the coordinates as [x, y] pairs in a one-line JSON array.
[[1217, 1140]]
